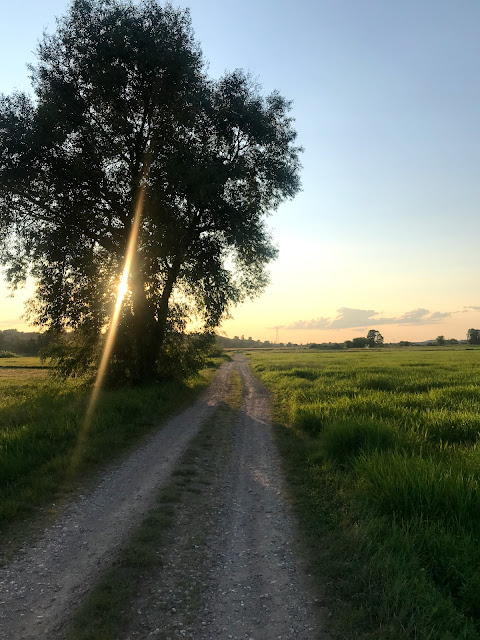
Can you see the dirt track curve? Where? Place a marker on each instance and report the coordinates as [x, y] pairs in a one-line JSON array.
[[255, 588]]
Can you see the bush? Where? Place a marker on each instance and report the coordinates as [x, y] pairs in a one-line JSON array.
[[7, 354], [78, 354]]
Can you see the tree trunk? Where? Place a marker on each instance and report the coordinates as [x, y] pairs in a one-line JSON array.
[[162, 310], [145, 350], [149, 332]]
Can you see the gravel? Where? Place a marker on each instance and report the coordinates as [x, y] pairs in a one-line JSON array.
[[258, 588], [41, 587]]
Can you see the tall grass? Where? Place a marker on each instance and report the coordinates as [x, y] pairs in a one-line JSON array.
[[40, 421], [382, 449]]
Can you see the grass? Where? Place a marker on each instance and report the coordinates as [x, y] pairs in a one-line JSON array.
[[23, 362], [40, 423], [109, 607], [382, 454]]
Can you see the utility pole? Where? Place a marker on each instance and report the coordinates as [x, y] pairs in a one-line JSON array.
[[276, 333]]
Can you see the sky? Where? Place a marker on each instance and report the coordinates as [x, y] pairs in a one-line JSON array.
[[384, 234]]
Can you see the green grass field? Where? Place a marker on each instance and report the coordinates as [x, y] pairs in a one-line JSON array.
[[40, 422], [23, 362], [381, 449]]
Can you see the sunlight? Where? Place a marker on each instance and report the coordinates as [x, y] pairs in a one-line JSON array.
[[107, 350], [122, 287]]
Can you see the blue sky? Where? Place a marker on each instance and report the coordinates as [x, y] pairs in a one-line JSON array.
[[386, 99]]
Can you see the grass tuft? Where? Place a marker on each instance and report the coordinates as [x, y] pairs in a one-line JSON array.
[[344, 440]]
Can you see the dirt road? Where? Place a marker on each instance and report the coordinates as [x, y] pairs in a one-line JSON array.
[[253, 587], [257, 589]]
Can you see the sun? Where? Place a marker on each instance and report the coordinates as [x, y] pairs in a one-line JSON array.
[[122, 288]]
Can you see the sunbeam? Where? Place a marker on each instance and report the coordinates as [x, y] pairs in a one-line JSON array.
[[107, 350]]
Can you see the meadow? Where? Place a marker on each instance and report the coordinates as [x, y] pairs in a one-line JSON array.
[[381, 451], [44, 452]]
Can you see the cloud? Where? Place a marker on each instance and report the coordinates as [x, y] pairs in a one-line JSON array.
[[351, 318], [318, 323], [471, 308], [348, 318]]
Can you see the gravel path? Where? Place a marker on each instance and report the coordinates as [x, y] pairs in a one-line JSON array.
[[243, 568], [257, 587], [42, 586]]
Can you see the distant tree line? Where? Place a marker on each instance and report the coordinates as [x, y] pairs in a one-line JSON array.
[[375, 339], [30, 343], [240, 342], [23, 343]]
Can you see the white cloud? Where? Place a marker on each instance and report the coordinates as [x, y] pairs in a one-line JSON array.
[[350, 318]]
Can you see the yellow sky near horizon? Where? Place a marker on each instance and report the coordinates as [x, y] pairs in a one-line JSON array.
[[289, 303]]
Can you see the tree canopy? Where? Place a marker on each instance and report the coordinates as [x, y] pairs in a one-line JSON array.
[[374, 338], [473, 336], [124, 115]]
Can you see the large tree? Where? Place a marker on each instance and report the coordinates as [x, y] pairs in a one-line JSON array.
[[123, 115]]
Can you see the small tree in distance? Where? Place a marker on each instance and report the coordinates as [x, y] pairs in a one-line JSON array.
[[473, 336], [375, 338], [440, 341]]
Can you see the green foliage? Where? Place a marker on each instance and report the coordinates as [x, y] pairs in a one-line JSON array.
[[473, 336], [357, 343], [7, 354], [124, 113], [72, 354], [382, 450], [375, 338], [182, 356]]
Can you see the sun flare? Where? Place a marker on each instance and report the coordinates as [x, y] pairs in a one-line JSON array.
[[110, 339], [122, 289]]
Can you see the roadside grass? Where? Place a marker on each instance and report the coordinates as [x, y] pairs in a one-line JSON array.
[[382, 455], [40, 424], [109, 606]]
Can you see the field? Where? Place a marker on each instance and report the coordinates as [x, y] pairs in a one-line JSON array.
[[381, 450], [41, 450], [27, 363]]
